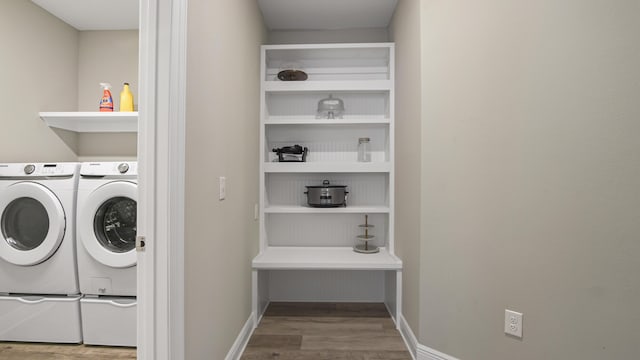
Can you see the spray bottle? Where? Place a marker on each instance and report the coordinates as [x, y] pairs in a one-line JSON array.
[[126, 98], [106, 103]]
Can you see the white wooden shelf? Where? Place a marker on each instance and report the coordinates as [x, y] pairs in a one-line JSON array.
[[323, 258], [298, 120], [351, 85], [335, 210], [327, 167], [330, 50], [92, 121]]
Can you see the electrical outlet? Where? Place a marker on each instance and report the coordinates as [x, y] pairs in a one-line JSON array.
[[513, 323]]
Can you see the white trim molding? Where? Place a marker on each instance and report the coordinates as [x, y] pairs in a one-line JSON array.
[[408, 336], [417, 350], [241, 341], [161, 149], [427, 353]]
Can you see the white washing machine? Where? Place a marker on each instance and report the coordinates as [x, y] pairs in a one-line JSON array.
[[106, 236], [38, 277]]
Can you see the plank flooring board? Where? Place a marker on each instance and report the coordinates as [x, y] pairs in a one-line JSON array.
[[275, 341], [46, 351], [327, 331], [374, 342], [322, 325], [324, 355], [384, 322]]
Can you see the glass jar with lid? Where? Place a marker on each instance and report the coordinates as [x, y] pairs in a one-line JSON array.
[[364, 150]]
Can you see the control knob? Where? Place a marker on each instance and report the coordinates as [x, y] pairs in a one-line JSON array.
[[123, 168]]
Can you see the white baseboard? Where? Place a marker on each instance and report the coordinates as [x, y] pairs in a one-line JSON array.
[[427, 353], [408, 336], [241, 341], [417, 350]]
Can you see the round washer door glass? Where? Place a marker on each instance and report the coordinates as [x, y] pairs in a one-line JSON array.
[[32, 224], [25, 223], [115, 224], [107, 223]]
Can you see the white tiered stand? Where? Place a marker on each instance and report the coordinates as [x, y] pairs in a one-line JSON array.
[[306, 253]]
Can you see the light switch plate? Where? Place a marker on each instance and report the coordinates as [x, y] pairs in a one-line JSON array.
[[223, 187]]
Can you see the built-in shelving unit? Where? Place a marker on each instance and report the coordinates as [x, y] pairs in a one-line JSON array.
[[294, 237], [92, 121]]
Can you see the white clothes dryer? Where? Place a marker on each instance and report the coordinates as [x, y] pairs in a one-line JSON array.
[[37, 244], [39, 298], [106, 228]]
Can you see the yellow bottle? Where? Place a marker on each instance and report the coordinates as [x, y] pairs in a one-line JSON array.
[[126, 99]]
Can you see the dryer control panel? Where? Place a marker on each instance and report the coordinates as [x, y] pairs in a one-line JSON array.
[[49, 169], [16, 170]]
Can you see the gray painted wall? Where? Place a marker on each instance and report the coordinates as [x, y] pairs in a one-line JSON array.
[[530, 178], [107, 56], [38, 72], [47, 65], [405, 32], [222, 127]]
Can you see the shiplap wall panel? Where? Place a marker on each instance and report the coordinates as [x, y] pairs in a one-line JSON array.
[[329, 285], [364, 189], [373, 104], [323, 229]]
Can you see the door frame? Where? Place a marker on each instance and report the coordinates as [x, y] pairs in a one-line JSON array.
[[161, 158]]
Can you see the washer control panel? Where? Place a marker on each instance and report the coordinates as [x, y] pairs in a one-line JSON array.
[[129, 168]]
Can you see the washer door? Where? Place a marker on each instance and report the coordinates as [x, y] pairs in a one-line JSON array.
[[107, 224], [33, 223]]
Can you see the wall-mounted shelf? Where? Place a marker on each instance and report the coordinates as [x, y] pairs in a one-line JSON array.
[[92, 121], [299, 120], [333, 258], [327, 167], [331, 210], [362, 85]]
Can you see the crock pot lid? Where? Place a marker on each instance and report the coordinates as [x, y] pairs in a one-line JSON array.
[[325, 186]]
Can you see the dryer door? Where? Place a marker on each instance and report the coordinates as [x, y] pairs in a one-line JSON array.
[[107, 224], [33, 223]]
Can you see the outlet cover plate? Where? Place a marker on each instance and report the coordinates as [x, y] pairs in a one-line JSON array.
[[513, 323]]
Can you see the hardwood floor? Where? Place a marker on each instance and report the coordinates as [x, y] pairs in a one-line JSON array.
[[326, 331], [288, 331], [40, 351]]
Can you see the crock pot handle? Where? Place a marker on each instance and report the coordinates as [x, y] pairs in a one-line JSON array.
[[325, 182]]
